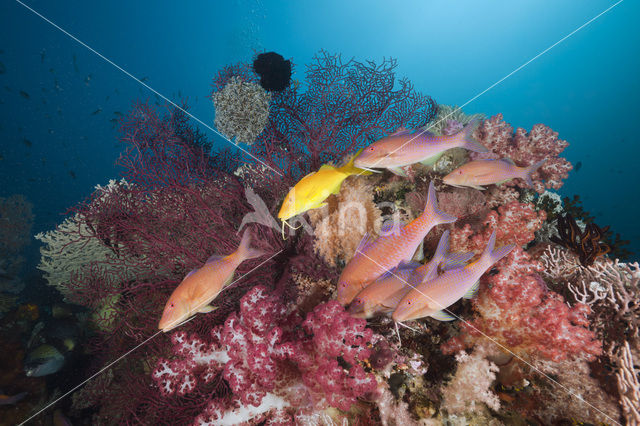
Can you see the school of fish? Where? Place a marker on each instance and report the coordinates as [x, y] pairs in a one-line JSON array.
[[383, 277]]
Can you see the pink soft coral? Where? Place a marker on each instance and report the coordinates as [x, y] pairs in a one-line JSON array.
[[271, 363], [518, 311], [526, 149]]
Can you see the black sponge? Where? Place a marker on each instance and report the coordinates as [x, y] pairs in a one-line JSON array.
[[274, 71]]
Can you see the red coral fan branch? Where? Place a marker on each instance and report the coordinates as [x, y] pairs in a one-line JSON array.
[[526, 149]]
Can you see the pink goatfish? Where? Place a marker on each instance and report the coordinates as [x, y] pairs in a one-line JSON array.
[[476, 173], [431, 297], [404, 148], [383, 295], [375, 257], [201, 286]]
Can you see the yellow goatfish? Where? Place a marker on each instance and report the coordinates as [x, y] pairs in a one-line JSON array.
[[476, 173], [313, 189], [431, 297], [201, 286], [374, 258], [383, 295]]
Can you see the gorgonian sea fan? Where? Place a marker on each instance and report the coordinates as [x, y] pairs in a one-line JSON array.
[[341, 107]]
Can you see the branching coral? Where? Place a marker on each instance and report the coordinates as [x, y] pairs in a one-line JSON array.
[[242, 110], [628, 386], [526, 149], [612, 291], [471, 384]]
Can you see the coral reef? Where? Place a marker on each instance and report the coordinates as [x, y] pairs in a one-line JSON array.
[[344, 105], [526, 149], [539, 344], [269, 365], [16, 220], [340, 225], [242, 110]]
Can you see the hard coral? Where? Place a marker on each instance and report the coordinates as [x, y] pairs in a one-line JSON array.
[[525, 149], [339, 226]]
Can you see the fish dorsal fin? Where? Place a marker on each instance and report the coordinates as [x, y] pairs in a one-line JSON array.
[[455, 260], [402, 271], [400, 131], [366, 240], [387, 226], [193, 271], [470, 294], [442, 316], [509, 161], [211, 259]]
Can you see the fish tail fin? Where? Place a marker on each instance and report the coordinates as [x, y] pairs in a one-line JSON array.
[[246, 252], [350, 169], [529, 171], [491, 256], [432, 208], [467, 140]]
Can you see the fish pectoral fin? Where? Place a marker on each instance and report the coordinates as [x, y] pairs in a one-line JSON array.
[[418, 255], [398, 171], [442, 316], [207, 309], [228, 281], [471, 293], [430, 161]]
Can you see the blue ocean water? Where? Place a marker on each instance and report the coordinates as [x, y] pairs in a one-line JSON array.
[[584, 88], [61, 93]]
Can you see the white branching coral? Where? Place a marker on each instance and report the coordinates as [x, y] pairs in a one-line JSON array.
[[471, 385], [628, 386], [242, 110]]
